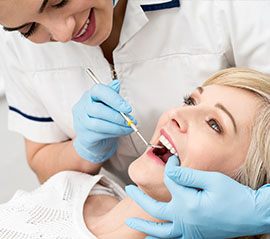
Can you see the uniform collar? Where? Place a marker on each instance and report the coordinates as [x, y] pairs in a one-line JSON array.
[[136, 19], [155, 5]]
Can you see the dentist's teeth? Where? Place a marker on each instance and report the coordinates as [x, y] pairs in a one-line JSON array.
[[84, 28], [167, 144]]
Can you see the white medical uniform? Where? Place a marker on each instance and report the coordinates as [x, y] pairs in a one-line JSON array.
[[166, 49]]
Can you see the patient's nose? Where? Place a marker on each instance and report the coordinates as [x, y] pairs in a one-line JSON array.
[[178, 118]]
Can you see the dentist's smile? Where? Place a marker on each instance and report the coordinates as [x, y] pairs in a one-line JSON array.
[[87, 30]]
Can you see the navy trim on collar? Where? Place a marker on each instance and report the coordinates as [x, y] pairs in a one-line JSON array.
[[39, 119], [161, 6]]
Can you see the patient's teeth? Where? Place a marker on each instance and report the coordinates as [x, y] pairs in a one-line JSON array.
[[172, 150], [162, 138], [167, 144]]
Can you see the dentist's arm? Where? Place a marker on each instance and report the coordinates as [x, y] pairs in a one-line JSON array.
[[97, 123], [222, 208], [48, 159]]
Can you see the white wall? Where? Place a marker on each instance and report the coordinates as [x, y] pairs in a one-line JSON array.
[[1, 87], [14, 171]]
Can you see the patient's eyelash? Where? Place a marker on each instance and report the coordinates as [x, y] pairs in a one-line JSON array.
[[189, 100], [213, 124]]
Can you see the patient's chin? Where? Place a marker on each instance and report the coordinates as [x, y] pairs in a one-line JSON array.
[[159, 193], [149, 177]]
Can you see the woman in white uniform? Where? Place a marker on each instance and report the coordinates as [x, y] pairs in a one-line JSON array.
[[153, 45]]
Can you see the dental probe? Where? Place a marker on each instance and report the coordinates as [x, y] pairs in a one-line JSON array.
[[127, 119]]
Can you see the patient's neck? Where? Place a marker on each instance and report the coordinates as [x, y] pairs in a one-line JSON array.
[[107, 219]]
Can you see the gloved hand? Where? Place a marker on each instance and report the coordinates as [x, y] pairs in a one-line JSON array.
[[223, 208], [98, 123]]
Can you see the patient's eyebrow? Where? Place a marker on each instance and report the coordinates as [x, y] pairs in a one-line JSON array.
[[40, 10], [220, 106]]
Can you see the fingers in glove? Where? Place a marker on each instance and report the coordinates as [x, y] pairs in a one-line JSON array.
[[160, 230], [115, 85], [100, 129], [172, 184], [111, 98], [100, 111], [191, 177]]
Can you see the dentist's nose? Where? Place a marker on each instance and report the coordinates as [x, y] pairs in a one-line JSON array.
[[61, 30]]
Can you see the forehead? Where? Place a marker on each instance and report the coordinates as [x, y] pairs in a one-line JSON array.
[[241, 103], [16, 12], [227, 94]]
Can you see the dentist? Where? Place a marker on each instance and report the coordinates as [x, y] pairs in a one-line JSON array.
[[152, 47]]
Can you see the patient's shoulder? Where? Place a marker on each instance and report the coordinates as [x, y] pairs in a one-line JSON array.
[[69, 184], [49, 210]]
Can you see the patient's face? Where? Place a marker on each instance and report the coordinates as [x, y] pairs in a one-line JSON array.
[[211, 131]]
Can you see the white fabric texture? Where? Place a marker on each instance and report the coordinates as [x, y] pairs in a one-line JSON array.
[[55, 209]]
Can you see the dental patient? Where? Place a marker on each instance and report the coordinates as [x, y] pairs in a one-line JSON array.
[[222, 126]]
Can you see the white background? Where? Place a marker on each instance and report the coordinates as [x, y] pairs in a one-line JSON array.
[[14, 171]]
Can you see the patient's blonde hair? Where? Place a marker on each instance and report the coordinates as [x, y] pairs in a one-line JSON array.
[[256, 170]]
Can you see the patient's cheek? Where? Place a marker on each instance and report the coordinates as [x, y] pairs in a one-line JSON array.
[[159, 193]]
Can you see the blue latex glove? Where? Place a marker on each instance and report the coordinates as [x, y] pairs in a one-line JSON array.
[[222, 209], [98, 123]]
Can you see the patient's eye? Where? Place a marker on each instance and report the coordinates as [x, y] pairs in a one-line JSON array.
[[189, 100], [214, 125]]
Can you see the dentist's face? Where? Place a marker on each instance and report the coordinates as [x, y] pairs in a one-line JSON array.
[[211, 131], [85, 21]]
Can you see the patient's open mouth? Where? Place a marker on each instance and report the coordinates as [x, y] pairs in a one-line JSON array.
[[167, 151]]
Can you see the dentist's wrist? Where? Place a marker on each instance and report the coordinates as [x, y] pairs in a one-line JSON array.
[[94, 154]]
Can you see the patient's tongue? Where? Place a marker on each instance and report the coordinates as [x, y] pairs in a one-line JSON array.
[[158, 151], [162, 153], [166, 156]]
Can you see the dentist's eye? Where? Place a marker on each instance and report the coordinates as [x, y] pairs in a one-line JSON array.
[[61, 4], [32, 29], [33, 26], [189, 100], [214, 125]]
